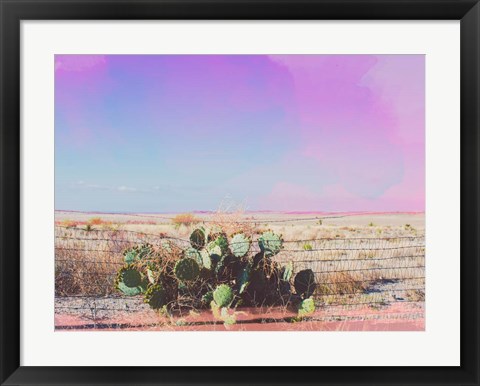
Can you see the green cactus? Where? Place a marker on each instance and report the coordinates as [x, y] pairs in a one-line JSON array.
[[304, 283], [207, 298], [223, 295], [198, 238], [138, 252], [186, 269], [240, 245], [156, 296], [306, 308], [243, 279], [287, 271], [270, 243], [221, 242], [229, 317], [153, 272], [192, 253], [130, 281], [130, 255], [206, 259], [145, 251]]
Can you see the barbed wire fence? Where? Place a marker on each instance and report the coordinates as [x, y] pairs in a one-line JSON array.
[[353, 274]]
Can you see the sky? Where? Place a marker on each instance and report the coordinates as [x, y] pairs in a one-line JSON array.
[[179, 133]]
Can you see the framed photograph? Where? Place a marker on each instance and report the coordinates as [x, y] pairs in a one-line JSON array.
[[235, 192]]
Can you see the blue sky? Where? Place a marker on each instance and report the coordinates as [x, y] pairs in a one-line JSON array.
[[176, 133]]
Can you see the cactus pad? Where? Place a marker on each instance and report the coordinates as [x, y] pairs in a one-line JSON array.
[[130, 281], [306, 307], [239, 245], [206, 259], [156, 296], [207, 298], [153, 272], [186, 269], [138, 252], [287, 271], [221, 242], [223, 295], [192, 253], [270, 243], [130, 255], [243, 279], [198, 238], [305, 283]]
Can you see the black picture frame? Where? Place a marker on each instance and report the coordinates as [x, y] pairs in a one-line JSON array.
[[14, 11]]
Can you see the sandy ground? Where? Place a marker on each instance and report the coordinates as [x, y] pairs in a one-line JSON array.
[[293, 226], [333, 219]]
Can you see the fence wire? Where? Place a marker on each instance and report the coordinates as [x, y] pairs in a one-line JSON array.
[[350, 272]]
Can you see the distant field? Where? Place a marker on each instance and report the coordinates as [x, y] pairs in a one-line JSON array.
[[292, 226]]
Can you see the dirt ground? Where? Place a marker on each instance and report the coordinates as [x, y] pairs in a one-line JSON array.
[[396, 317]]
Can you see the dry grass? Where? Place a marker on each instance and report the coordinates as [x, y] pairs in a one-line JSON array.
[[185, 219], [416, 295], [79, 272], [340, 283], [348, 271], [230, 218]]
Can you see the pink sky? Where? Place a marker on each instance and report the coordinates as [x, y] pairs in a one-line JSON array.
[[279, 132]]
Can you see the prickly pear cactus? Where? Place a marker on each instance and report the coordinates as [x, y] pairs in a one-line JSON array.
[[270, 243], [221, 242], [138, 252], [156, 296], [186, 269], [287, 271], [130, 255], [223, 295], [207, 298], [145, 251], [306, 308], [198, 238], [240, 245], [207, 262], [130, 281], [304, 283], [243, 279], [192, 253], [153, 272]]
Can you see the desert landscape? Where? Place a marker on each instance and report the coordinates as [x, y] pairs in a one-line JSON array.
[[239, 192], [369, 270]]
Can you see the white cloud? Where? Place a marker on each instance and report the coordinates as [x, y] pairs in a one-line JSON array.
[[126, 189]]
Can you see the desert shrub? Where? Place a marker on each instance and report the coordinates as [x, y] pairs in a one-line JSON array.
[[186, 219], [95, 221], [69, 223]]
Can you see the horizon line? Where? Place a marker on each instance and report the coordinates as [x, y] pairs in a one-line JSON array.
[[246, 212]]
